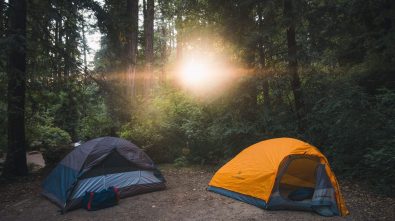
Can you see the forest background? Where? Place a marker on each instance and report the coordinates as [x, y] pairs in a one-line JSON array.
[[195, 82]]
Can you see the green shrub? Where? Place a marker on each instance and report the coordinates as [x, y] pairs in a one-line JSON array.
[[353, 128], [95, 124], [53, 137], [161, 125], [181, 162], [55, 143]]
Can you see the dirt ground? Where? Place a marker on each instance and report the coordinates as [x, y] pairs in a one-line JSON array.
[[185, 198]]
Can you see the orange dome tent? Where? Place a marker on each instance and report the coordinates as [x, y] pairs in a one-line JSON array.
[[282, 173]]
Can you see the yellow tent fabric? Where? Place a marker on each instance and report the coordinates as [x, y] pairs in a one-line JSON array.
[[253, 171]]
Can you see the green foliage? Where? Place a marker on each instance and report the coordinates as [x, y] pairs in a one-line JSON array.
[[95, 124], [42, 133], [181, 162], [52, 137], [163, 125], [353, 128], [95, 120], [53, 141]]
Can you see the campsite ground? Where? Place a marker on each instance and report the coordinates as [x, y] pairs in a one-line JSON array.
[[185, 198]]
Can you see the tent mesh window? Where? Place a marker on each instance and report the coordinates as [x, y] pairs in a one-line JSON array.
[[300, 173], [114, 163]]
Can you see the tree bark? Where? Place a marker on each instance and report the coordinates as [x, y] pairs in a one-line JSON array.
[[179, 38], [15, 164], [292, 60], [58, 56], [2, 18], [149, 43], [262, 60], [84, 44], [163, 51], [132, 34]]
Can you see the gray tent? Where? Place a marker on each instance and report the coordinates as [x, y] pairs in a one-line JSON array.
[[97, 165]]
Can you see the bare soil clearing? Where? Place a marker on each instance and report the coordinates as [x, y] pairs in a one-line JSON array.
[[185, 198]]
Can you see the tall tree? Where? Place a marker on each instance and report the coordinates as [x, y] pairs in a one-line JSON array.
[[179, 27], [165, 38], [149, 41], [2, 18], [289, 13], [262, 56], [15, 164], [84, 44], [132, 7]]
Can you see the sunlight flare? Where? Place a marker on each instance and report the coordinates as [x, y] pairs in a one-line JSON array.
[[196, 73], [203, 73]]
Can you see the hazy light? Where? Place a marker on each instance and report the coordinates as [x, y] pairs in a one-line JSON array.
[[204, 74], [195, 73]]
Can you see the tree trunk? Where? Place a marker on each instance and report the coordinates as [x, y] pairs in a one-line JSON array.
[[132, 34], [2, 18], [145, 29], [163, 51], [149, 43], [179, 39], [15, 164], [293, 62], [58, 56], [84, 45], [262, 60]]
